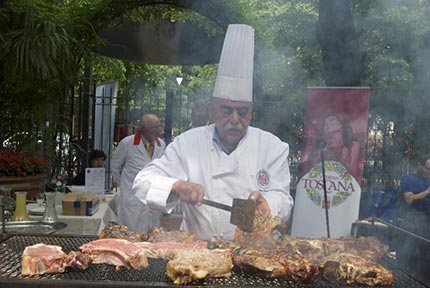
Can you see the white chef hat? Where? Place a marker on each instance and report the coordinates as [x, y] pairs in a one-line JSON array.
[[235, 70]]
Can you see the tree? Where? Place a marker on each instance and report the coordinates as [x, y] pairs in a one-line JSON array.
[[341, 49]]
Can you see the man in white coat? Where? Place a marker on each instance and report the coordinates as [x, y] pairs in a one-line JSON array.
[[222, 161], [131, 155]]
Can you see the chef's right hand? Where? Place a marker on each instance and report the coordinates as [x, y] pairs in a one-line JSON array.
[[189, 192]]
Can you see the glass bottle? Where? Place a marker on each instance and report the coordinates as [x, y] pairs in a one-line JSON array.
[[21, 209], [50, 214]]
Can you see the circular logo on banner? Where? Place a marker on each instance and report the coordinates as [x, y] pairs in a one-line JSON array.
[[338, 184], [263, 179]]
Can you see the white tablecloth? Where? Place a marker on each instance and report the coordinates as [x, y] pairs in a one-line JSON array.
[[84, 225]]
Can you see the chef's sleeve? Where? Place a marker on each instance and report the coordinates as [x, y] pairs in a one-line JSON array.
[[153, 184], [278, 193]]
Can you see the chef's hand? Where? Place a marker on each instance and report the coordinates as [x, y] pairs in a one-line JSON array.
[[262, 205], [189, 192]]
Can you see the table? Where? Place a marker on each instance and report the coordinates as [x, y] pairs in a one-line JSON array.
[[84, 225]]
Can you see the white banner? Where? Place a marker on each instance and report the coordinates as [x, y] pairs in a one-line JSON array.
[[104, 122], [336, 131]]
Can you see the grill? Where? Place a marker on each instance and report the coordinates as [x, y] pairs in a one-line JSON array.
[[11, 249]]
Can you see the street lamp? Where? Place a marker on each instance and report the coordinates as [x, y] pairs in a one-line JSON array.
[[179, 81], [169, 111]]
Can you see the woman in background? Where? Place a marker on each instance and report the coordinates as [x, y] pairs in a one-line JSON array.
[[96, 159]]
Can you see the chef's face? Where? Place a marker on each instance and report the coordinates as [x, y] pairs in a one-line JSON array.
[[199, 117], [232, 119], [151, 130]]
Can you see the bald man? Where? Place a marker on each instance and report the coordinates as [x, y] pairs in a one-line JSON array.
[[131, 155]]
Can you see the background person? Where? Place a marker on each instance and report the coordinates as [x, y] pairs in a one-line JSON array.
[[413, 254], [225, 160], [199, 113], [131, 155], [96, 159], [415, 188]]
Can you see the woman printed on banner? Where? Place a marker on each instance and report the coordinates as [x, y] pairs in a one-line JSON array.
[[341, 145]]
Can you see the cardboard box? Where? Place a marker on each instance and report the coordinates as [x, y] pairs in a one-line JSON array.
[[80, 204]]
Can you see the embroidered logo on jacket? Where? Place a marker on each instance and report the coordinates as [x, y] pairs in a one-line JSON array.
[[263, 179]]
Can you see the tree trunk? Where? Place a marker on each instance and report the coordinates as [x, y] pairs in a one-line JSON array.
[[342, 53]]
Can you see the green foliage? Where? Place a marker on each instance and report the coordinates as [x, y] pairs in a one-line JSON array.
[[44, 45]]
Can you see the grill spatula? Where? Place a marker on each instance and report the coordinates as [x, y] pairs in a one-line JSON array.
[[242, 212]]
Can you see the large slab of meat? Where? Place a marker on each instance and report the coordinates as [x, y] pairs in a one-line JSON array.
[[288, 264], [317, 249], [122, 232], [161, 234], [155, 235], [189, 265], [268, 253], [42, 259], [166, 250], [348, 268], [118, 252], [265, 234]]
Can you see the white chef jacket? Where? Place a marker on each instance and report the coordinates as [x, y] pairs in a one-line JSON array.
[[129, 158], [259, 163]]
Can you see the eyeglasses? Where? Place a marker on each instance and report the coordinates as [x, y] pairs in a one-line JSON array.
[[155, 128]]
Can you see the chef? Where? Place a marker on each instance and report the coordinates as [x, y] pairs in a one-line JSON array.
[[225, 160], [131, 155]]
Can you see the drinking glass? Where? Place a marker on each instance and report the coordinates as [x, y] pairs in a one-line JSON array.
[[40, 198], [5, 212]]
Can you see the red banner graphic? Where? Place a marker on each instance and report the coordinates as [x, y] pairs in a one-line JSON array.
[[339, 117], [335, 130]]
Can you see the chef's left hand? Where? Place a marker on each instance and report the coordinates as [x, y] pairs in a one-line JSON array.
[[262, 205]]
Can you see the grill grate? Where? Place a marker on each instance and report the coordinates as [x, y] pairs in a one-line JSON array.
[[10, 268]]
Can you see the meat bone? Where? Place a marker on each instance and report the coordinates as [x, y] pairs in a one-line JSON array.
[[242, 212]]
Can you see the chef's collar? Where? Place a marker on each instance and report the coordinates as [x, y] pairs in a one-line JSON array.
[[138, 137], [217, 140]]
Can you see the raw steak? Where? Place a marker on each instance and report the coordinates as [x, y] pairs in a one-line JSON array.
[[118, 252], [42, 259]]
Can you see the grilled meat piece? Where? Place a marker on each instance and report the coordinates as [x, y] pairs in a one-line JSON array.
[[285, 263], [121, 232], [161, 234], [366, 247], [78, 260], [189, 265], [118, 252], [166, 250], [348, 268], [155, 235], [42, 259], [265, 233], [218, 243], [317, 249]]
